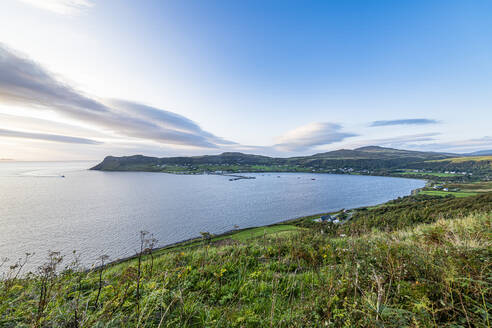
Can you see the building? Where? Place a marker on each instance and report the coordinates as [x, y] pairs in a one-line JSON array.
[[325, 218]]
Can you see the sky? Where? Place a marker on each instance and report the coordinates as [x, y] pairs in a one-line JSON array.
[[82, 79]]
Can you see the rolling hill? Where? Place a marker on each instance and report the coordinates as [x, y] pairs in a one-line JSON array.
[[365, 158]]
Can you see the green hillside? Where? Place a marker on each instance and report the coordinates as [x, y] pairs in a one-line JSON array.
[[358, 159], [372, 160]]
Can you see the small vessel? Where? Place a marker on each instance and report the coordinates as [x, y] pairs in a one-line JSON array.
[[62, 176], [313, 179]]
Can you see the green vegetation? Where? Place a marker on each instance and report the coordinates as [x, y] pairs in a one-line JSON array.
[[366, 161], [447, 193], [458, 189], [235, 235], [418, 261], [260, 232], [467, 159], [433, 174], [481, 186], [406, 212]]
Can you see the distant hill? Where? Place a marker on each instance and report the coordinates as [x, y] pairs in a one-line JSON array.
[[370, 158], [376, 152], [480, 153]]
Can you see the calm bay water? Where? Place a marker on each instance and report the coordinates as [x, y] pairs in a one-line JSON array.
[[102, 212]]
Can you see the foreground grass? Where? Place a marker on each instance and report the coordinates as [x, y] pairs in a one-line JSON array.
[[426, 275]]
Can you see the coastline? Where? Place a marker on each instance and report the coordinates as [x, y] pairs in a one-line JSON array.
[[240, 174], [198, 241]]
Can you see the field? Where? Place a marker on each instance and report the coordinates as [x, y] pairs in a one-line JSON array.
[[466, 159], [237, 236], [260, 232], [463, 189], [436, 174], [447, 193], [482, 186]]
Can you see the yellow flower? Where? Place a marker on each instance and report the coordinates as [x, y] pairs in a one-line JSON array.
[[17, 287], [221, 273]]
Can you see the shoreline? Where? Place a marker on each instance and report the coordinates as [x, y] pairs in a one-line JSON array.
[[191, 241]]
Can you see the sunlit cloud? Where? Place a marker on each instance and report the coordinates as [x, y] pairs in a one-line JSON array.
[[166, 119], [413, 121], [62, 7], [311, 135], [24, 82]]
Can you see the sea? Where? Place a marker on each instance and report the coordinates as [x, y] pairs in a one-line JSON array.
[[64, 206]]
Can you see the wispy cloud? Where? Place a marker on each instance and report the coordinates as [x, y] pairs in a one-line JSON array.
[[62, 7], [412, 121], [25, 82], [47, 137], [167, 120], [311, 135]]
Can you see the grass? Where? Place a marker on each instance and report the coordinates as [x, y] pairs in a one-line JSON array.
[[458, 194], [481, 186], [466, 159], [240, 236], [419, 275], [469, 158], [435, 174], [259, 232]]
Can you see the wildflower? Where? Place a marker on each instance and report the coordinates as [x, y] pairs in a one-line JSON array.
[[17, 287], [255, 274], [220, 273]]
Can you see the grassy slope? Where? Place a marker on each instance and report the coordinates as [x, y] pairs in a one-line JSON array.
[[421, 275], [482, 186], [465, 189], [465, 159], [435, 174], [447, 193], [260, 232]]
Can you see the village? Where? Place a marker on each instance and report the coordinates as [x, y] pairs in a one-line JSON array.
[[339, 218]]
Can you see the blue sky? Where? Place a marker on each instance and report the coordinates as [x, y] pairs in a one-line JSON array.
[[80, 79]]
